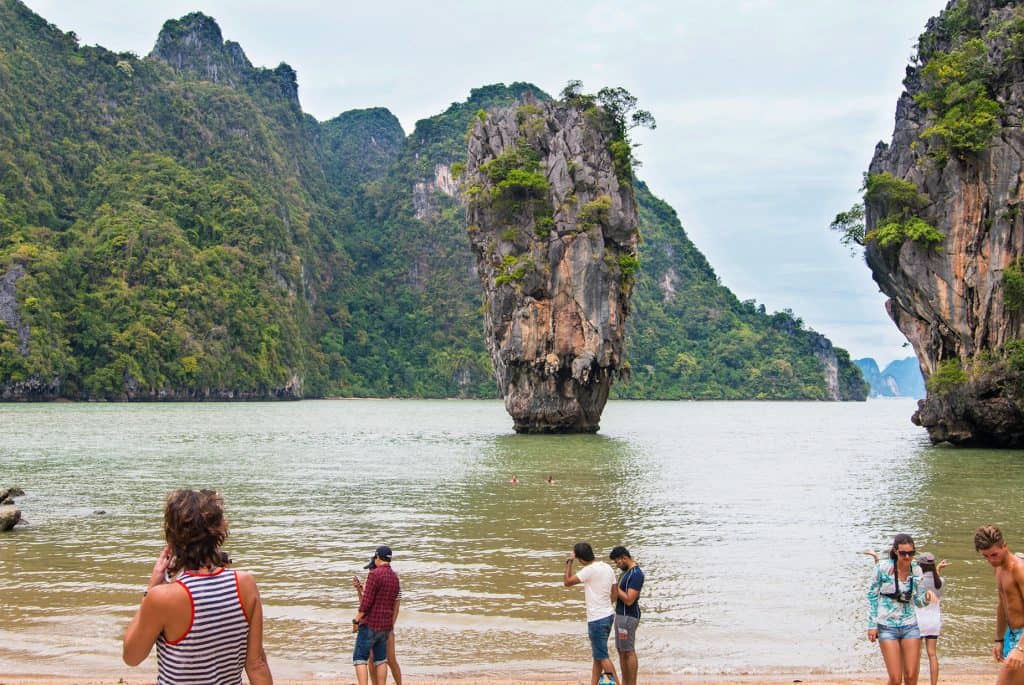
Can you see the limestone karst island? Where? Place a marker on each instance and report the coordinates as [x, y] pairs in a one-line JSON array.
[[421, 297], [941, 222], [174, 227]]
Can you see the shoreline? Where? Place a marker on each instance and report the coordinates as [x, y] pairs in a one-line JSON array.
[[961, 676]]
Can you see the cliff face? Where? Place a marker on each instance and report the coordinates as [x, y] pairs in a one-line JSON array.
[[555, 235], [174, 227], [958, 140], [195, 49]]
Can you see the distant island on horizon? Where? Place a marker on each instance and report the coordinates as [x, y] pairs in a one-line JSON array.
[[900, 378]]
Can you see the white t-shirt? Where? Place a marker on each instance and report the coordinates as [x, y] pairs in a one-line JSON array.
[[598, 579], [929, 618]]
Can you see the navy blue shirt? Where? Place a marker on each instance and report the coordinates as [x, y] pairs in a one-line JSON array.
[[633, 578]]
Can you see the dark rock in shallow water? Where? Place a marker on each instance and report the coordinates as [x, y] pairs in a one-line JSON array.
[[10, 516], [7, 495]]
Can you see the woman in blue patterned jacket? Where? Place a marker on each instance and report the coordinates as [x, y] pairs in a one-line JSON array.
[[896, 588]]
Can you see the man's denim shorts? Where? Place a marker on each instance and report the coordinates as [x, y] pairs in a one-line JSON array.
[[368, 640], [598, 631], [910, 632]]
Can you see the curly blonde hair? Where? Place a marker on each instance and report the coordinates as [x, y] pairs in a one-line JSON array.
[[195, 527]]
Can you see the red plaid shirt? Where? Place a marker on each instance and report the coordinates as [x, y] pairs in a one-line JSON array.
[[379, 595]]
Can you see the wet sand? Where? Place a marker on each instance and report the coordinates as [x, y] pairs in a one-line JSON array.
[[974, 677]]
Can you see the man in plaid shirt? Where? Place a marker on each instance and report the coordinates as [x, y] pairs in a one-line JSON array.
[[376, 616]]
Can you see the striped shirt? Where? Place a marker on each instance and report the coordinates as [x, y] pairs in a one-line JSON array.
[[212, 651]]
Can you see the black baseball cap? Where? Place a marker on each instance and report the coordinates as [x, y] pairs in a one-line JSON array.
[[383, 553]]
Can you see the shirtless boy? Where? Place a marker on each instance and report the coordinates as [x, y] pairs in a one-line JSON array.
[[1006, 647]]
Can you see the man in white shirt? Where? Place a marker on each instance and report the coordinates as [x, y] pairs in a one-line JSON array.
[[599, 591]]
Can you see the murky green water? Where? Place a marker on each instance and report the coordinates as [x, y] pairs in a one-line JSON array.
[[747, 518]]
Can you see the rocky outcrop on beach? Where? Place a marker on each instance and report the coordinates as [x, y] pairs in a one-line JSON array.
[[7, 495], [553, 224], [944, 226], [10, 515]]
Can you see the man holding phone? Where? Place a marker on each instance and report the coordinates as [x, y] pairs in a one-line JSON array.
[[376, 616], [393, 666]]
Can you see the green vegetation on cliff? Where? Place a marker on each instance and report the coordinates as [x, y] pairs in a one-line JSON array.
[[689, 337], [161, 224], [963, 57], [169, 235], [898, 201]]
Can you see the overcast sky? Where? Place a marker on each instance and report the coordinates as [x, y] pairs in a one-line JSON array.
[[768, 110]]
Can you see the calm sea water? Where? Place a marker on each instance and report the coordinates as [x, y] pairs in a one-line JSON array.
[[747, 518]]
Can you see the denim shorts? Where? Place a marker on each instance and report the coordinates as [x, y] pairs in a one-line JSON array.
[[911, 632], [367, 640], [598, 631]]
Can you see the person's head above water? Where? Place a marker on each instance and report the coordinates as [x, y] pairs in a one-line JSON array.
[[195, 527]]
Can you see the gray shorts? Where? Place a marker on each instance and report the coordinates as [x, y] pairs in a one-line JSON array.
[[625, 632]]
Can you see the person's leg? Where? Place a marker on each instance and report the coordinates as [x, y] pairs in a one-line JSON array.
[[624, 629], [595, 672], [382, 672], [396, 670], [380, 656], [931, 645], [598, 632], [361, 653], [911, 655], [604, 632], [1010, 676], [628, 663], [607, 666], [893, 660], [371, 668]]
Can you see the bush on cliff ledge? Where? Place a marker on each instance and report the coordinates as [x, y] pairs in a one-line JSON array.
[[948, 376], [957, 93], [898, 201]]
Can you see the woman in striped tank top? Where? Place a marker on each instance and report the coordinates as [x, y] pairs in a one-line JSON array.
[[206, 623]]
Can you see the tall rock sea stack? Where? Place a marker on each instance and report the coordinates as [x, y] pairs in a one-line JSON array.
[[174, 227], [553, 222], [944, 227]]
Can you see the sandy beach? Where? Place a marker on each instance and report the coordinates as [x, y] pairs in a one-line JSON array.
[[973, 677]]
